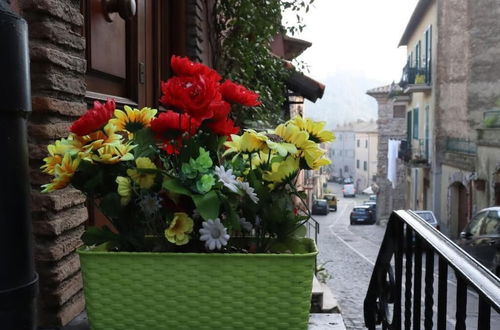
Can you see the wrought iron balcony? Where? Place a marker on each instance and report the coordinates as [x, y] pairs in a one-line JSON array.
[[406, 239], [417, 156], [414, 76], [464, 146], [491, 118]]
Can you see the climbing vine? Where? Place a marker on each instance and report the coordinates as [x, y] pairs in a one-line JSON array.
[[244, 31]]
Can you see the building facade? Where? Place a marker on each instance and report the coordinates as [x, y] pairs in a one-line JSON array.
[[366, 139], [391, 125], [452, 155], [342, 152]]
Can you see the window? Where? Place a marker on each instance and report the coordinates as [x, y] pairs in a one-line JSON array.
[[418, 47], [415, 123], [427, 64], [357, 163], [358, 142], [340, 137], [346, 169], [475, 223], [365, 166], [366, 143], [340, 152], [398, 111], [333, 152]]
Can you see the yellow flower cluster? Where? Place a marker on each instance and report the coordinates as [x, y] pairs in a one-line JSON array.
[[105, 146], [290, 147]]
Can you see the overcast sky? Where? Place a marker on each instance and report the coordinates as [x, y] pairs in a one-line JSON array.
[[356, 36], [355, 48]]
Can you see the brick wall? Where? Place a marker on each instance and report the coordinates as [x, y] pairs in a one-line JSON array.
[[57, 52]]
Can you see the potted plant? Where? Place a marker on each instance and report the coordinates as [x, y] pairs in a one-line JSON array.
[[205, 230]]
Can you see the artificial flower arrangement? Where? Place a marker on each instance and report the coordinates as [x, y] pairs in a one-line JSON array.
[[182, 180]]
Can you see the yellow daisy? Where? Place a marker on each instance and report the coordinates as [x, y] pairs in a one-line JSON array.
[[233, 145], [124, 189], [143, 179], [113, 153], [62, 173], [314, 128], [132, 120], [252, 141], [178, 230], [282, 171], [292, 134]]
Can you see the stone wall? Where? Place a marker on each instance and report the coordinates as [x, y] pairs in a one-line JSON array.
[[388, 199], [57, 52], [452, 70]]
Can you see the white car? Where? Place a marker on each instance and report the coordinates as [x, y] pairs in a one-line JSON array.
[[348, 190]]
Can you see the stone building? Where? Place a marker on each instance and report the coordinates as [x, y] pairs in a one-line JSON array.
[[365, 152], [453, 164], [391, 125], [342, 152]]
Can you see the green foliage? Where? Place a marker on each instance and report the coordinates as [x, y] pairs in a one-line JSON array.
[[245, 29]]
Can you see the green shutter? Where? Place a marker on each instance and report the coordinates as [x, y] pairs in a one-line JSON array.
[[415, 123], [408, 126]]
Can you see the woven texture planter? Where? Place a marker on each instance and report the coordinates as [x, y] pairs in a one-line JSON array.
[[197, 291]]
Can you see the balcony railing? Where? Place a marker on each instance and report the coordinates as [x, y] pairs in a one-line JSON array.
[[406, 239], [464, 146], [418, 155], [415, 76], [491, 119]]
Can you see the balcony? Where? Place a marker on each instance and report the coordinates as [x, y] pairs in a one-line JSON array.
[[415, 79], [460, 153], [416, 155], [463, 146]]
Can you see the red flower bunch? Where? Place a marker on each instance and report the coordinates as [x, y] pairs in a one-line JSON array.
[[196, 90], [169, 128], [236, 93], [94, 119]]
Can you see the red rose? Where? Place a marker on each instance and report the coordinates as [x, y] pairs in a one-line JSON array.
[[191, 94], [223, 127], [236, 93], [182, 66], [94, 119], [169, 125], [220, 109]]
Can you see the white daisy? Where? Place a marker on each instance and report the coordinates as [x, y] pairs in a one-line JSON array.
[[245, 186], [245, 225], [227, 178], [214, 234], [150, 204]]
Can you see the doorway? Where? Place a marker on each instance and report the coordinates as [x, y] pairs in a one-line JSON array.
[[458, 207], [497, 189]]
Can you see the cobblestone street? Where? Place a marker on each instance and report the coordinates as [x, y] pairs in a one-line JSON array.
[[348, 253]]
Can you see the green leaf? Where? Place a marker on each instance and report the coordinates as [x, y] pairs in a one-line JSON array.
[[110, 205], [145, 141], [300, 232], [175, 186], [98, 236], [208, 205]]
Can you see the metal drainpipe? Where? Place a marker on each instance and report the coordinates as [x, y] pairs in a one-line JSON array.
[[18, 279]]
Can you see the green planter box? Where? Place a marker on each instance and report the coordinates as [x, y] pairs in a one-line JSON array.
[[197, 291]]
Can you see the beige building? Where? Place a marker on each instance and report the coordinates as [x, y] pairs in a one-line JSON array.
[[452, 78], [365, 154]]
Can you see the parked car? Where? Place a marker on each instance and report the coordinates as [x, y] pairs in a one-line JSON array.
[[348, 181], [331, 200], [481, 238], [373, 198], [320, 206], [429, 217], [361, 214], [373, 208], [348, 190]]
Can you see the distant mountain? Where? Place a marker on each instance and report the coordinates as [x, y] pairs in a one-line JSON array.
[[344, 100]]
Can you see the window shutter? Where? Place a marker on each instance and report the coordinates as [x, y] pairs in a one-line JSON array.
[[415, 123]]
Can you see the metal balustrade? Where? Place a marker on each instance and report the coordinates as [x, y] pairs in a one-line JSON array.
[[407, 238]]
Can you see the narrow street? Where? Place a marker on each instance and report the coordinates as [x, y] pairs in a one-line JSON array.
[[348, 254]]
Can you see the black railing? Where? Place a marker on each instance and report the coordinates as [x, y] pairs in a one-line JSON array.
[[406, 239], [415, 76]]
